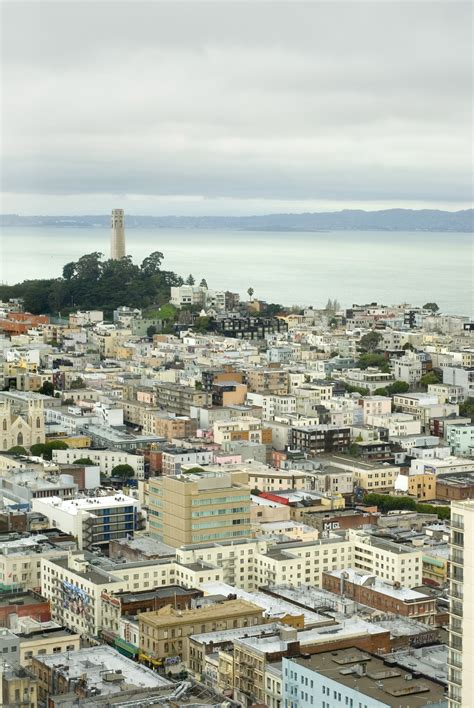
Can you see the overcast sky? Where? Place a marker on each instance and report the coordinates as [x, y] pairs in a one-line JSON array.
[[235, 108]]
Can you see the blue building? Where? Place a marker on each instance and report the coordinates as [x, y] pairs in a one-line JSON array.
[[351, 678]]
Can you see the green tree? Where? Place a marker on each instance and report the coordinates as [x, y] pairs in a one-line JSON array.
[[77, 383], [84, 461], [124, 471], [431, 306], [381, 392], [250, 292], [398, 387], [38, 449], [203, 284], [190, 280], [353, 450], [47, 388], [466, 408], [151, 264], [17, 450], [378, 360], [151, 330], [369, 342], [53, 445], [431, 377], [202, 324], [408, 346]]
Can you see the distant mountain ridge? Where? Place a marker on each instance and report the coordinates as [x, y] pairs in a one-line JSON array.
[[347, 219]]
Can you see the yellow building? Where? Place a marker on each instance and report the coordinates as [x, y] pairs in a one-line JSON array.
[[163, 634], [422, 486], [197, 508]]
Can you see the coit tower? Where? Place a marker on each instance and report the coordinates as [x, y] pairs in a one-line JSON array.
[[117, 241]]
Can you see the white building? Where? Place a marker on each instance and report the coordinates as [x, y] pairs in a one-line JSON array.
[[93, 521], [105, 459], [461, 634]]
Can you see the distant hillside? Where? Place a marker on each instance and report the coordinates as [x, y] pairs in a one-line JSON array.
[[348, 219]]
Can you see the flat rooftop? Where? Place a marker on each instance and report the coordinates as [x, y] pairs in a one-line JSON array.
[[372, 582], [272, 607], [374, 678], [99, 664], [74, 506]]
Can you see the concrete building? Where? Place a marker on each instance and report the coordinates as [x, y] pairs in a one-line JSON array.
[[368, 476], [178, 399], [92, 674], [93, 521], [195, 508], [106, 460], [461, 591], [117, 240], [20, 562], [455, 375], [370, 590], [354, 678], [174, 460], [461, 440], [164, 634], [390, 561], [75, 584]]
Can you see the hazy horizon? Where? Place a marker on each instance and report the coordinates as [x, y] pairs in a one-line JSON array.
[[217, 109]]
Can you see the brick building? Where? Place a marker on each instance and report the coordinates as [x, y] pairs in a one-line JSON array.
[[370, 590]]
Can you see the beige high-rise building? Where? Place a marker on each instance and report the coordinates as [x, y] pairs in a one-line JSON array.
[[117, 241], [198, 508], [461, 591]]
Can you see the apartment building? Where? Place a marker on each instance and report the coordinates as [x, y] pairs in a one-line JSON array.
[[93, 521], [106, 460], [397, 424], [196, 508], [164, 634], [174, 459], [368, 476], [388, 560], [455, 375], [271, 380], [423, 407], [318, 439], [370, 590], [273, 405], [447, 393], [461, 440], [244, 428], [365, 681], [375, 406], [461, 592], [178, 399], [20, 562], [75, 585]]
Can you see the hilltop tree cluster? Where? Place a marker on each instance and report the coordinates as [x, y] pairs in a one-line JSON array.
[[95, 283]]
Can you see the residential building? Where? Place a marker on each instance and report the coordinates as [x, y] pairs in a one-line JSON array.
[[178, 399], [195, 508], [106, 460], [461, 440], [164, 634], [390, 561], [354, 678], [92, 673], [93, 521], [368, 589], [317, 439], [461, 592]]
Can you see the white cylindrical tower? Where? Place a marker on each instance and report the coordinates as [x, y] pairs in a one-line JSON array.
[[117, 241]]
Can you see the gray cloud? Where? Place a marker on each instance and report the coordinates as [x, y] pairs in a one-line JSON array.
[[346, 102]]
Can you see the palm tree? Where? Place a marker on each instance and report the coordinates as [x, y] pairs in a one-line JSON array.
[[250, 292]]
